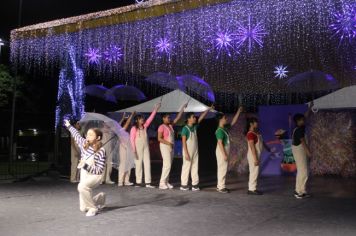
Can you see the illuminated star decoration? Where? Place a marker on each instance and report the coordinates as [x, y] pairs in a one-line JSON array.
[[250, 34], [113, 54], [345, 23], [164, 46], [281, 72], [223, 42], [93, 55]]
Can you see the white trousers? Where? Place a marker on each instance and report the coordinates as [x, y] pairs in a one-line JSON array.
[[108, 169], [301, 162], [124, 176], [143, 158], [87, 183], [222, 167], [167, 156], [254, 172], [190, 167]]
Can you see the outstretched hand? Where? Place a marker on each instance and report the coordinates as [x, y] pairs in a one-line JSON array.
[[158, 106], [66, 123], [241, 109]]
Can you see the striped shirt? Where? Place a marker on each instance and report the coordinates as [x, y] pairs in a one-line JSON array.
[[99, 157]]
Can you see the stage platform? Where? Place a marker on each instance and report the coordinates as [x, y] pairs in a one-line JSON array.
[[50, 207]]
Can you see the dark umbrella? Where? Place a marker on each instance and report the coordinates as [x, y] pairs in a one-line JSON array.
[[96, 90], [198, 86], [124, 93], [165, 80], [312, 81]]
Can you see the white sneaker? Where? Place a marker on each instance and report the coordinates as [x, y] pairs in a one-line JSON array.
[[120, 184], [109, 182], [195, 188], [129, 184], [184, 188], [170, 186], [91, 212], [163, 186], [150, 186]]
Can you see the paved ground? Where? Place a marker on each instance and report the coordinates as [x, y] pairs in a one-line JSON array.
[[47, 207]]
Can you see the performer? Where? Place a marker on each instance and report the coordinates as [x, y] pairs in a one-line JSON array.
[[255, 148], [223, 147], [166, 140], [124, 154], [74, 157], [91, 167], [140, 146], [108, 134], [190, 150], [301, 153]]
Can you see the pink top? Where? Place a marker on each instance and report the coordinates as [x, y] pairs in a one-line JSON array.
[[166, 131], [134, 132]]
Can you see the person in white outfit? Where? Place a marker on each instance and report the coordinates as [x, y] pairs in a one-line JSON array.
[[74, 158], [91, 167], [108, 135], [223, 148], [124, 175], [140, 146], [166, 144], [190, 150], [301, 154], [255, 148]]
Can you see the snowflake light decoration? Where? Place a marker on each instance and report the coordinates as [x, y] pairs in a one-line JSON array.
[[223, 42], [113, 54], [164, 45], [250, 34], [93, 55], [345, 23], [281, 72]]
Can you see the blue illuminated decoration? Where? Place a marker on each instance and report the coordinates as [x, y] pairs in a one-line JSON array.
[[93, 55], [281, 72], [113, 54], [223, 42], [344, 24], [70, 97], [164, 46], [250, 34]]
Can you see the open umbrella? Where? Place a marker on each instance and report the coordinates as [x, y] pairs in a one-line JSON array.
[[312, 81], [114, 136], [96, 90], [165, 80], [198, 86], [124, 93]]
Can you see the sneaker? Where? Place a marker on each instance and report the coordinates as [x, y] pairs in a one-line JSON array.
[[129, 184], [224, 190], [302, 196], [109, 182], [256, 192], [296, 194], [163, 186], [195, 188], [120, 184], [170, 186], [184, 188], [91, 212], [150, 186]]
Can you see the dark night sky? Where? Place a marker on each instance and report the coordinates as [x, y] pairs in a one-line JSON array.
[[37, 11]]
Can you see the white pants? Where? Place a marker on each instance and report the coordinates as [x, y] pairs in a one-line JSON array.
[[190, 167], [74, 173], [254, 172], [85, 188], [301, 162], [167, 156], [124, 176], [222, 167], [143, 157], [108, 169]]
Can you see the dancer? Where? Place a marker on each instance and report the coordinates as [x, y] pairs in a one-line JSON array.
[[166, 140], [190, 150], [223, 147], [255, 148], [91, 167], [301, 153], [124, 154], [74, 157], [140, 146]]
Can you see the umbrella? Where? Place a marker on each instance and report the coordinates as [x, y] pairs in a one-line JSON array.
[[124, 93], [165, 80], [110, 129], [96, 90], [312, 81], [198, 86]]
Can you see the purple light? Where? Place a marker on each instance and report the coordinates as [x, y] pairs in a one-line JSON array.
[[223, 42], [250, 33], [93, 55], [164, 46], [345, 23], [281, 72], [113, 54]]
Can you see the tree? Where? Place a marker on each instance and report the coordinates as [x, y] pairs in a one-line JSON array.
[[6, 86]]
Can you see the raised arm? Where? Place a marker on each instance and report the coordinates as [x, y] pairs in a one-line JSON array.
[[308, 112], [75, 134], [152, 116], [99, 163], [237, 115], [128, 122], [179, 116], [122, 118], [203, 115]]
